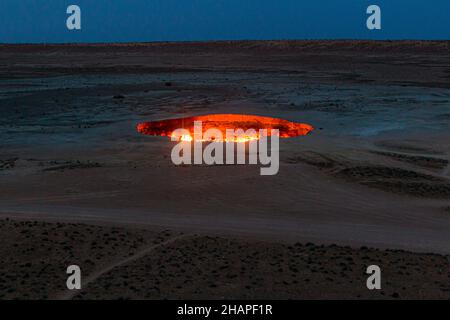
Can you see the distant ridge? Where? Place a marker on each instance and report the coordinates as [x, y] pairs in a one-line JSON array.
[[271, 45]]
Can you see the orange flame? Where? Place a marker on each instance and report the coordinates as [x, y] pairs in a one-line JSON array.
[[223, 122]]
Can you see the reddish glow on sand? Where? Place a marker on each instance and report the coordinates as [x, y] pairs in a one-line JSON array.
[[222, 122]]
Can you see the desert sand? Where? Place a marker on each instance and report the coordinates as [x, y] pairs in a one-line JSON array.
[[374, 173], [132, 263]]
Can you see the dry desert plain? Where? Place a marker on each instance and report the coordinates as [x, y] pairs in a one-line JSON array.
[[370, 185]]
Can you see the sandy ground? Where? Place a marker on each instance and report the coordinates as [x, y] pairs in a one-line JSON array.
[[131, 263], [374, 173]]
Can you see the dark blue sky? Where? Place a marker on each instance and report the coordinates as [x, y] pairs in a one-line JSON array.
[[44, 21]]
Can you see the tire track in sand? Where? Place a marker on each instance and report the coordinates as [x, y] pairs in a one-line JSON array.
[[70, 294]]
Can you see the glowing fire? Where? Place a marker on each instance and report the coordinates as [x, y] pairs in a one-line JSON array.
[[185, 137], [223, 122], [235, 138]]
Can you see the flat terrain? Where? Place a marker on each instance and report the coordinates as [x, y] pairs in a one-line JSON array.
[[375, 172], [131, 263]]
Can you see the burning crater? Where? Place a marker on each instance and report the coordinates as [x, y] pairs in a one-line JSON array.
[[224, 122]]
